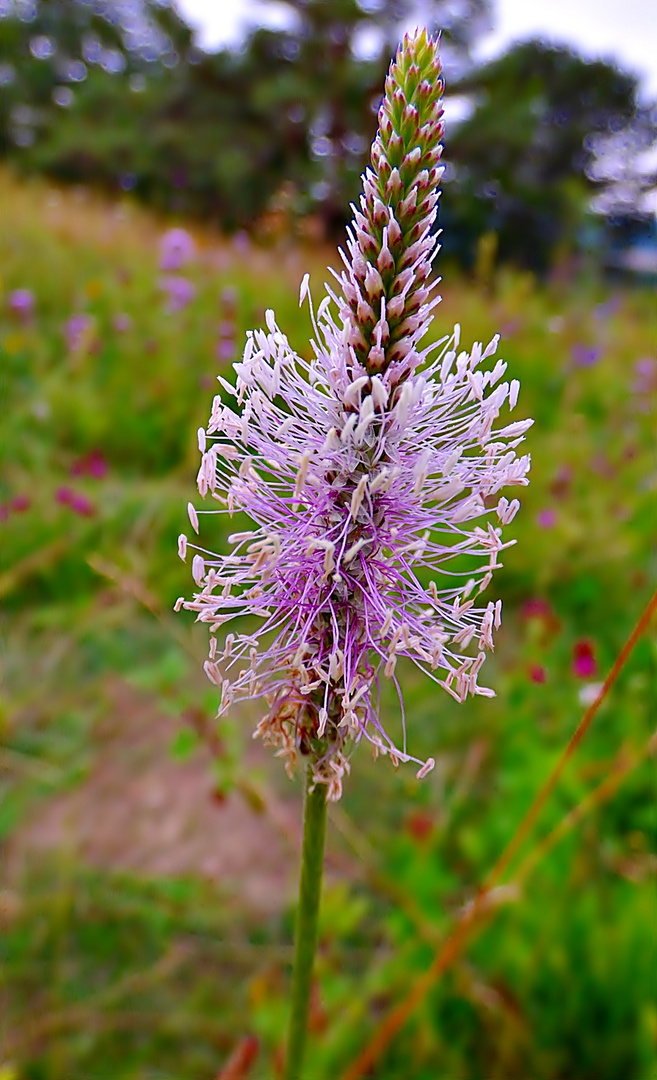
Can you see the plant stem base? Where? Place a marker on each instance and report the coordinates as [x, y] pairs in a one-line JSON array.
[[312, 863]]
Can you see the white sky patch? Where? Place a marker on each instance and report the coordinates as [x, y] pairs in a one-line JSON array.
[[457, 107], [624, 31], [225, 22]]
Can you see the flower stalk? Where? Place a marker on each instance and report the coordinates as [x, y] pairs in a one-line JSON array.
[[312, 862], [361, 470]]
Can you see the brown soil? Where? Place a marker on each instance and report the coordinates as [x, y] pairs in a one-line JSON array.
[[142, 811]]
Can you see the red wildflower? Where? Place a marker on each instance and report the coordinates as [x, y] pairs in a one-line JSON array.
[[537, 673], [584, 662]]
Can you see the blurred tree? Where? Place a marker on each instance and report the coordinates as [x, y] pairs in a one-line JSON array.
[[115, 93], [221, 135], [522, 164], [337, 53], [50, 52], [623, 165], [220, 140]]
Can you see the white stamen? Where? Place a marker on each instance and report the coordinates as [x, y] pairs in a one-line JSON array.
[[323, 719], [303, 291], [238, 537], [498, 615], [351, 395], [303, 469], [348, 427], [357, 497], [519, 428], [426, 769], [379, 393], [193, 516], [452, 461], [210, 670], [420, 471], [379, 480]]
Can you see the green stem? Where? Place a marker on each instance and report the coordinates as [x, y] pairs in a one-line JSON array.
[[310, 885]]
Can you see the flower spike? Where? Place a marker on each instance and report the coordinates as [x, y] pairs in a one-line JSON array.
[[391, 246], [369, 473]]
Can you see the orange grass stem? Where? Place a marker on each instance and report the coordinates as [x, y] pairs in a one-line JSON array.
[[481, 905], [539, 802], [624, 765]]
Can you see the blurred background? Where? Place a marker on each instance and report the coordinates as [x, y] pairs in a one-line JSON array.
[[166, 174]]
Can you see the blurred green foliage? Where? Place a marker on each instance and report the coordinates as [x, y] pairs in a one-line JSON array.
[[522, 161], [126, 975]]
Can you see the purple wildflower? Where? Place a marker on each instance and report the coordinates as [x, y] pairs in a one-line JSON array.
[[361, 470], [91, 464], [180, 292], [177, 248], [584, 662], [585, 355], [122, 323], [228, 299], [225, 349], [241, 243], [82, 506], [608, 307], [645, 371], [546, 519], [78, 503], [21, 304], [76, 329]]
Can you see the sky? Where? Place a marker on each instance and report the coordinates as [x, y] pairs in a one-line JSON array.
[[624, 31]]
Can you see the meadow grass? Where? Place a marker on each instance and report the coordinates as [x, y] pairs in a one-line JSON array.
[[126, 975]]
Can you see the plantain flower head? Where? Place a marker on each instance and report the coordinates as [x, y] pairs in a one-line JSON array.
[[371, 473]]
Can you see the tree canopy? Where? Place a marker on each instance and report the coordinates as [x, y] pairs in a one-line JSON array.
[[114, 92]]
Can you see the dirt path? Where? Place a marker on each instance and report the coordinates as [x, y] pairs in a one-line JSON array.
[[140, 810]]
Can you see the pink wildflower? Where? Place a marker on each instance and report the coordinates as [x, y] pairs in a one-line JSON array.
[[366, 472], [20, 503], [63, 495]]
